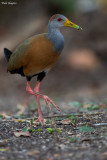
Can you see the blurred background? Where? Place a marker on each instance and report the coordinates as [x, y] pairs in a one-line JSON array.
[[81, 72]]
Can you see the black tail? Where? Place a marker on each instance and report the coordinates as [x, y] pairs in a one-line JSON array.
[[7, 54]]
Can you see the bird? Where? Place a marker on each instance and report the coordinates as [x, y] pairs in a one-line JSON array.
[[36, 55]]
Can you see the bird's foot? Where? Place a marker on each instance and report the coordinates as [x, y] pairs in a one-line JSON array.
[[48, 101], [40, 119]]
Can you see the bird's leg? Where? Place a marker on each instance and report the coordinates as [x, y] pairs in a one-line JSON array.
[[48, 101], [37, 94], [28, 89], [40, 118], [36, 89], [46, 98]]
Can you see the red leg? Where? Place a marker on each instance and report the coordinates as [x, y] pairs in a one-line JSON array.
[[40, 118], [28, 89], [46, 98], [37, 94], [36, 89]]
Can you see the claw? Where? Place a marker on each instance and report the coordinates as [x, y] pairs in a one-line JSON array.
[[37, 95], [40, 119], [48, 100]]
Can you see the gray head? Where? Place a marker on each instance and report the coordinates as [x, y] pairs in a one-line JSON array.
[[55, 23], [58, 21]]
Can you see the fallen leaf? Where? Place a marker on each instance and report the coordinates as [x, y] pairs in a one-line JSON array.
[[91, 106], [34, 152], [94, 107], [86, 129], [58, 130], [4, 115], [85, 139], [3, 142], [56, 155], [50, 130], [34, 130], [62, 146], [70, 154], [18, 134], [20, 120], [70, 133], [66, 121], [3, 149]]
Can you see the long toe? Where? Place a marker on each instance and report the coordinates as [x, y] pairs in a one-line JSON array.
[[48, 100], [40, 119]]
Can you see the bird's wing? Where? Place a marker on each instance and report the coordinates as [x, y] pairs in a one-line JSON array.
[[15, 60], [35, 54]]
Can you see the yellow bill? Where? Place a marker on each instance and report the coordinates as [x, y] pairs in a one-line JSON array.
[[68, 23]]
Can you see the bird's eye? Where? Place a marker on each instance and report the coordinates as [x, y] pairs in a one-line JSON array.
[[59, 19]]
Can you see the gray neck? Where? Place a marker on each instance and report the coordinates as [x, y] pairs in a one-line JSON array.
[[55, 36]]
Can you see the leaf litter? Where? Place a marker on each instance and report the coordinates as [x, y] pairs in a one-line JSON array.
[[75, 131], [18, 134]]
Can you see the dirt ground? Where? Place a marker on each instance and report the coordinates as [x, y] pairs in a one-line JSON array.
[[79, 135]]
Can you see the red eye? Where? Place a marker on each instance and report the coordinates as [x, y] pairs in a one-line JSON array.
[[59, 19]]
